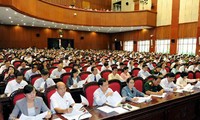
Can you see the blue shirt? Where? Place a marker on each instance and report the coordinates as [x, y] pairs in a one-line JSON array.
[[129, 94]]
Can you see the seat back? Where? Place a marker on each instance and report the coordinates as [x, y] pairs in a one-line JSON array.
[[84, 68], [68, 68], [99, 67], [168, 64], [51, 69], [177, 75], [151, 77], [33, 78], [113, 65], [105, 73], [191, 75], [55, 64], [84, 75], [197, 74], [119, 71], [89, 90], [136, 65], [17, 95], [48, 93], [115, 85], [154, 64], [167, 68], [24, 70], [71, 64], [138, 83], [16, 64], [64, 77], [135, 71]]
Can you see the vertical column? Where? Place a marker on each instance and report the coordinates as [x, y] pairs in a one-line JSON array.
[[174, 25], [198, 35]]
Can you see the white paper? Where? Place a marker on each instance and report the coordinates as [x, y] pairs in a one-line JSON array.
[[80, 83], [84, 100], [130, 107], [187, 88], [57, 119], [77, 106], [160, 96], [143, 99], [77, 115], [197, 85], [37, 117], [106, 109], [114, 100]]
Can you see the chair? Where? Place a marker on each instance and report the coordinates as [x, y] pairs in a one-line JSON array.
[[119, 71], [99, 67], [68, 68], [167, 68], [125, 62], [16, 95], [135, 65], [24, 70], [51, 69], [113, 65], [89, 90], [197, 74], [134, 72], [138, 83], [33, 78], [154, 64], [71, 64], [64, 77], [82, 64], [105, 73], [115, 85], [191, 75], [84, 68], [10, 78], [168, 64], [84, 75], [17, 63], [177, 75], [55, 64], [48, 93]]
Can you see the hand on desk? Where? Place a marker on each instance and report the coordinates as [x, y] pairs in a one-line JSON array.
[[48, 115], [134, 99]]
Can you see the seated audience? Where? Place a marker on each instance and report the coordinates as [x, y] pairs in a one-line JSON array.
[[143, 72], [182, 81], [56, 73], [94, 76], [101, 94], [130, 92], [168, 84], [30, 105], [114, 74], [73, 79], [61, 101], [15, 84], [152, 87], [44, 82], [125, 74], [33, 71]]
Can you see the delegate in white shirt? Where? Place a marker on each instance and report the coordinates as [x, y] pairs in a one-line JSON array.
[[143, 74], [100, 97], [39, 83], [90, 77], [183, 82], [167, 86], [56, 74], [61, 102], [13, 85]]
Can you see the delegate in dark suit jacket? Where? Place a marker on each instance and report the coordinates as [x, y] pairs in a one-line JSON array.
[[21, 107], [70, 81]]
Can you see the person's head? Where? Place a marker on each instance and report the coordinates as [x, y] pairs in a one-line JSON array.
[[94, 70], [74, 73], [61, 88], [60, 67], [45, 74], [158, 69], [184, 75], [76, 66], [156, 81], [130, 82], [44, 63], [19, 77], [121, 64], [170, 77], [29, 92], [103, 84], [177, 66], [23, 64], [7, 63], [145, 67], [125, 69], [11, 69], [114, 70], [34, 67], [106, 64]]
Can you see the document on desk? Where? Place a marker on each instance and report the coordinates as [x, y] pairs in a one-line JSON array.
[[187, 88], [143, 99], [114, 100], [197, 85], [129, 107], [77, 115], [120, 110], [160, 96], [80, 83], [84, 100], [106, 109], [37, 117]]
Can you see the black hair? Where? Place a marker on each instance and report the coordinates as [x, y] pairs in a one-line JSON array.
[[183, 74], [92, 69], [44, 72], [113, 68], [129, 79], [105, 64], [144, 65], [101, 81], [34, 65], [28, 89], [73, 71], [19, 74], [125, 68], [170, 74]]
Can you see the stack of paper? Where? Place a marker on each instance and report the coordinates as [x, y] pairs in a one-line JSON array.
[[37, 117], [187, 88], [160, 96], [143, 99], [197, 85], [79, 84], [108, 109], [114, 100]]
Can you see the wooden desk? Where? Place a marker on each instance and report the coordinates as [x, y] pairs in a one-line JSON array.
[[175, 106]]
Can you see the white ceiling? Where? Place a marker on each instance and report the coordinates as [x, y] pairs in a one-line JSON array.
[[12, 17]]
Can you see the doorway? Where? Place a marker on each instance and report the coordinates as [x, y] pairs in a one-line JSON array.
[[57, 43]]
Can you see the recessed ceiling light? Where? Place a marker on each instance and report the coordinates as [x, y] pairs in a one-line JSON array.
[[62, 24], [11, 21], [9, 17], [32, 25], [7, 9], [22, 20], [17, 24], [24, 23], [44, 24], [24, 16]]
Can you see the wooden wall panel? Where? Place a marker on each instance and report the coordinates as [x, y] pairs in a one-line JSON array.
[[23, 37], [188, 30], [163, 32]]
